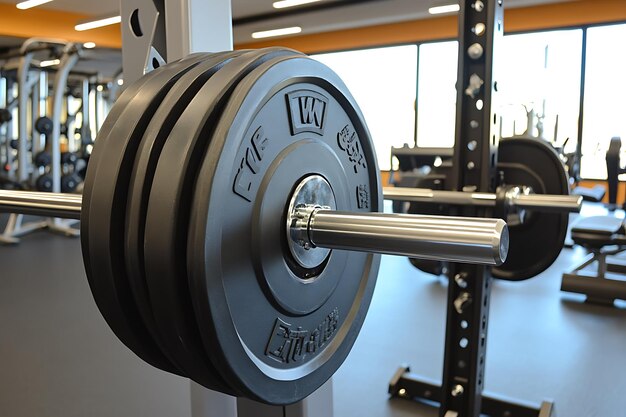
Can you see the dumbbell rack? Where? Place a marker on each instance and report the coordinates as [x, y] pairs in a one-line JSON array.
[[36, 86], [474, 170]]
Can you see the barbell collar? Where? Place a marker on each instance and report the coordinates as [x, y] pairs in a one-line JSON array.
[[443, 238]]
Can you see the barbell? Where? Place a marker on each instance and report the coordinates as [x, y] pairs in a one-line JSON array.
[[315, 229], [230, 222], [230, 226], [511, 198], [532, 195]]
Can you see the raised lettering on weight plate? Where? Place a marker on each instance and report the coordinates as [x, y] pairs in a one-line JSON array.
[[307, 111], [250, 164], [363, 196], [288, 344], [349, 142]]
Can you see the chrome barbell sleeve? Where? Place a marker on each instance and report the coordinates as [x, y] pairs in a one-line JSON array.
[[41, 204], [453, 239]]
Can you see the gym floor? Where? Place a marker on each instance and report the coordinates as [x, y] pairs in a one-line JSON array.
[[59, 358]]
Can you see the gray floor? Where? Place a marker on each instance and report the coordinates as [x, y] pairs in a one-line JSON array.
[[58, 357]]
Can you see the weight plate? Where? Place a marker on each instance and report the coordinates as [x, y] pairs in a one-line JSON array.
[[167, 215], [148, 153], [277, 332], [120, 104], [102, 216], [536, 243]]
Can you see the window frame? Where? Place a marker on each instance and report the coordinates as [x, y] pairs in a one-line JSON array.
[[583, 63]]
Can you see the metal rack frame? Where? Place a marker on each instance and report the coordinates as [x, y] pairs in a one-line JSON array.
[[474, 169]]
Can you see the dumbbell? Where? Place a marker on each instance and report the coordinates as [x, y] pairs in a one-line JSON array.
[[44, 183], [42, 159], [5, 116], [69, 182], [44, 125]]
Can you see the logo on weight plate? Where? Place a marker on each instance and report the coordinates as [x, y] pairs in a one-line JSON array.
[[288, 344], [250, 164], [348, 141], [307, 111]]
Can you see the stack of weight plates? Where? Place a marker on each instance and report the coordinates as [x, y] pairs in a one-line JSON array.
[[183, 221]]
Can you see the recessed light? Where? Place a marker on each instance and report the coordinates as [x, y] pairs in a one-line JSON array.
[[98, 23], [277, 32], [291, 3], [448, 8], [89, 45], [31, 3], [49, 63]]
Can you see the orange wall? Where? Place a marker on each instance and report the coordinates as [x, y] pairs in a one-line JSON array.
[[571, 13], [47, 23], [51, 24]]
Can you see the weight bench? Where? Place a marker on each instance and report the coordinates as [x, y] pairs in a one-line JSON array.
[[595, 194], [603, 236]]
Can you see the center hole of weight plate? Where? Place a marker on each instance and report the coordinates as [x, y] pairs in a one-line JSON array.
[[312, 193]]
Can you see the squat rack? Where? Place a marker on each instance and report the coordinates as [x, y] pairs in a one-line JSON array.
[[481, 27]]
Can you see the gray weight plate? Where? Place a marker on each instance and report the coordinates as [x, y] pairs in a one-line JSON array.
[[148, 154], [278, 332], [536, 243], [167, 215], [104, 206]]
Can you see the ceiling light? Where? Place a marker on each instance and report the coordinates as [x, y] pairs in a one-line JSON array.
[[89, 45], [449, 8], [277, 32], [291, 3], [31, 3], [98, 23], [49, 63], [120, 82]]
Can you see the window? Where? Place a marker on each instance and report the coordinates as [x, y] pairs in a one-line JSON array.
[[539, 83], [436, 92], [605, 92], [382, 81]]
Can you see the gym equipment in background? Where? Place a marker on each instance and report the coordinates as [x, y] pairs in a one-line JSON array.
[[602, 236], [251, 176], [525, 167], [39, 155], [613, 169], [512, 169]]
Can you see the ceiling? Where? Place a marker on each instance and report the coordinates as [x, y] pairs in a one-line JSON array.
[[325, 15]]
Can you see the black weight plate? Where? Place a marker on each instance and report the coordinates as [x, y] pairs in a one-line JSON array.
[[535, 244], [148, 153], [120, 104], [167, 216], [276, 336], [102, 215]]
